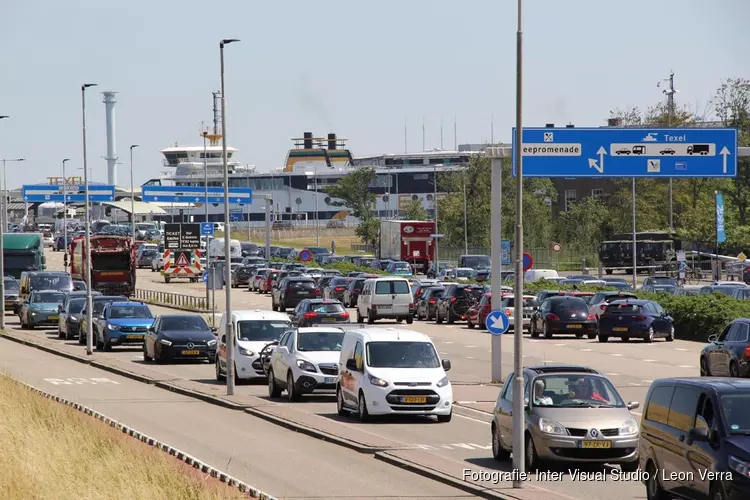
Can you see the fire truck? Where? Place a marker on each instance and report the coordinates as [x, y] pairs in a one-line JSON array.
[[112, 263], [408, 241]]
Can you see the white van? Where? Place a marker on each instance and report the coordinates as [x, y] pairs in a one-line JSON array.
[[533, 275], [254, 330], [216, 249], [384, 371], [385, 298]]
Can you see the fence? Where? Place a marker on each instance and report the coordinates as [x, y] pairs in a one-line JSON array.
[[176, 300]]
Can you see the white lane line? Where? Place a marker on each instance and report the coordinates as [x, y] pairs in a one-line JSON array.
[[587, 350], [447, 342], [475, 410], [469, 346], [633, 384], [473, 419], [647, 381], [534, 340], [680, 349], [686, 366], [443, 353], [561, 345], [469, 357], [616, 354], [648, 360], [612, 374]]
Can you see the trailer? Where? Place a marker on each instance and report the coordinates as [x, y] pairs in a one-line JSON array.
[[408, 241], [182, 264]]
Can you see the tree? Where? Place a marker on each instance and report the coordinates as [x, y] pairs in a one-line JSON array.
[[581, 225], [353, 192], [414, 210]]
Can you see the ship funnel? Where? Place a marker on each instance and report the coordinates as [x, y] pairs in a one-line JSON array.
[[308, 140], [109, 108], [331, 141]]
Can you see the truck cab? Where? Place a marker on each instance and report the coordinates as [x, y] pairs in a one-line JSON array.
[[23, 252]]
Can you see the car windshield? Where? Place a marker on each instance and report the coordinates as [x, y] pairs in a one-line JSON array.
[[326, 307], [54, 282], [402, 355], [319, 341], [260, 330], [511, 302], [401, 265], [150, 253], [465, 273], [392, 287], [48, 298], [736, 411], [624, 308], [663, 280], [587, 391], [725, 290], [183, 323], [76, 306], [10, 286], [121, 312], [301, 285]]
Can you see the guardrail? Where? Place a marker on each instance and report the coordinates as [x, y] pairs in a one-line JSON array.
[[174, 300]]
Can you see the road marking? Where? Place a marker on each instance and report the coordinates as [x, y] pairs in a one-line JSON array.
[[486, 413], [469, 346], [612, 374], [686, 366], [681, 349], [447, 342], [534, 340], [648, 360], [647, 381], [469, 357], [80, 381], [616, 354], [561, 345], [474, 419], [587, 350], [444, 353], [634, 384]]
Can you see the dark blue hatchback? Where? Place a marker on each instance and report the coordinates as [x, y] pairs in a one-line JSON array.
[[643, 319]]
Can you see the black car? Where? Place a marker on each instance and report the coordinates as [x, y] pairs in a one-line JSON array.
[[454, 303], [728, 353], [427, 303], [241, 275], [564, 314], [79, 286], [292, 291], [69, 318], [98, 304], [351, 295], [311, 312], [284, 252], [336, 288], [179, 336], [249, 249], [696, 428]]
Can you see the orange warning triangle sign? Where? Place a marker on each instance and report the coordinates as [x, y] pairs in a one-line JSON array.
[[182, 261]]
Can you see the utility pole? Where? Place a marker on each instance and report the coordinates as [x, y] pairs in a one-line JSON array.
[[670, 92]]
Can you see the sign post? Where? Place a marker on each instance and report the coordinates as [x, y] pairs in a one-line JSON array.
[[61, 193]]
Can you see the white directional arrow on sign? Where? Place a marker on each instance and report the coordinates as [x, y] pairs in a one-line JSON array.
[[592, 162], [724, 152], [497, 322]]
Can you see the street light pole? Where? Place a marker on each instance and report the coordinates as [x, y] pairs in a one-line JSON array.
[[132, 195], [89, 305], [65, 215], [2, 258], [227, 259], [4, 215], [205, 207], [317, 225], [435, 201], [466, 217]]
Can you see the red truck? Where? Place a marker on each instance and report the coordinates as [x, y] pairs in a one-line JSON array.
[[408, 241], [112, 264]]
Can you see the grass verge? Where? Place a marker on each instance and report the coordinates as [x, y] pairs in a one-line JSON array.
[[51, 451]]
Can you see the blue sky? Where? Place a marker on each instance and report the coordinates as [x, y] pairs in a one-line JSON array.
[[355, 68]]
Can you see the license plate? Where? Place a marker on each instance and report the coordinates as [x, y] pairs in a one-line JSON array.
[[52, 317], [330, 320], [596, 444], [329, 380], [384, 307], [575, 326], [413, 399], [194, 352], [619, 329], [134, 337], [302, 293]]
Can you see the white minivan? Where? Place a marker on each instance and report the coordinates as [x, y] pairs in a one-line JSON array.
[[254, 330], [385, 298], [384, 371], [533, 275]]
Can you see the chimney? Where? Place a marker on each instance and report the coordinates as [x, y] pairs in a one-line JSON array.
[[331, 141], [550, 125], [109, 108], [308, 142]]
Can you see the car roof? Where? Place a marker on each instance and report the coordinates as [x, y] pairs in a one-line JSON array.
[[637, 302], [562, 368], [324, 301], [371, 334], [127, 303], [259, 315], [720, 385], [51, 290], [319, 329], [109, 297]]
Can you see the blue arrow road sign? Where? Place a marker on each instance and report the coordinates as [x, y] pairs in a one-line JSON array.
[[72, 194], [497, 322], [196, 194], [207, 228], [628, 152], [205, 276]]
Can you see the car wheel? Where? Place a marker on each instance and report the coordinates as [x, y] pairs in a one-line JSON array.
[[654, 491], [438, 319], [469, 324], [444, 419], [603, 338], [705, 370], [591, 336], [734, 372], [362, 412], [629, 466], [273, 390], [530, 459], [219, 376], [370, 317], [497, 447], [146, 357], [291, 391], [650, 335], [547, 333], [360, 319], [670, 335], [409, 320], [340, 402]]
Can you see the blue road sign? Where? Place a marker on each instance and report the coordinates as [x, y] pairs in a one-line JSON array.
[[196, 194], [628, 152], [205, 276], [235, 216], [207, 228], [505, 250], [497, 322], [71, 194]]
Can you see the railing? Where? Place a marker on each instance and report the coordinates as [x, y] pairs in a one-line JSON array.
[[175, 300]]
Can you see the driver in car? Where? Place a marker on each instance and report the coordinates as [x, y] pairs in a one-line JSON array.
[[584, 389]]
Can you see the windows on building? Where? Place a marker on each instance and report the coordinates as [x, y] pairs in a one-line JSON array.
[[570, 198], [597, 193]]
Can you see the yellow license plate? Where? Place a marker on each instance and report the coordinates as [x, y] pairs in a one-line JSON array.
[[134, 337], [329, 319], [194, 352], [412, 399], [596, 444], [619, 329], [52, 317], [575, 326]]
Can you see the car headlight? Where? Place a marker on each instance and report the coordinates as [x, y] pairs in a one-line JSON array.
[[211, 343], [739, 465], [629, 428], [165, 342], [443, 382], [33, 313], [73, 319], [113, 327], [378, 381], [246, 352], [306, 365], [551, 427]]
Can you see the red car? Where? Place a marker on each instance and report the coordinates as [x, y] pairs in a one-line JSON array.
[[477, 315], [265, 285]]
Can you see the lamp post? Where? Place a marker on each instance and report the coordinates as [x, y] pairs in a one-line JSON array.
[[65, 214], [132, 195], [4, 214], [227, 258], [317, 216], [2, 259], [87, 207]]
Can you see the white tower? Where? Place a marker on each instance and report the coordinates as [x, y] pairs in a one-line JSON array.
[[109, 106]]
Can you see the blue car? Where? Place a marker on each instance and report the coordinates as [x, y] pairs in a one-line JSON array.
[[122, 323], [629, 318], [41, 308], [61, 243]]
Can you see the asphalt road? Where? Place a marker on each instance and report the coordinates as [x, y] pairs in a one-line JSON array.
[[631, 366]]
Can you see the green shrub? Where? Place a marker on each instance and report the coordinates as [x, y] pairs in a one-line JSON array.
[[344, 267]]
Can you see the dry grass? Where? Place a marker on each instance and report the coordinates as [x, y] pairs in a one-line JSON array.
[[343, 243], [51, 451]]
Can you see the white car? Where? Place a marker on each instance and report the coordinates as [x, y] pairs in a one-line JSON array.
[[384, 371], [48, 239], [305, 360], [254, 330], [508, 305], [385, 298], [314, 272], [158, 263]]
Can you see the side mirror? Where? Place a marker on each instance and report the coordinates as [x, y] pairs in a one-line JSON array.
[[700, 435], [526, 404], [223, 339], [151, 329], [713, 338], [446, 364], [351, 364], [633, 405], [214, 330]]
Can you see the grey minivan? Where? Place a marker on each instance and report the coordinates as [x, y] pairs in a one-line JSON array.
[[573, 414]]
